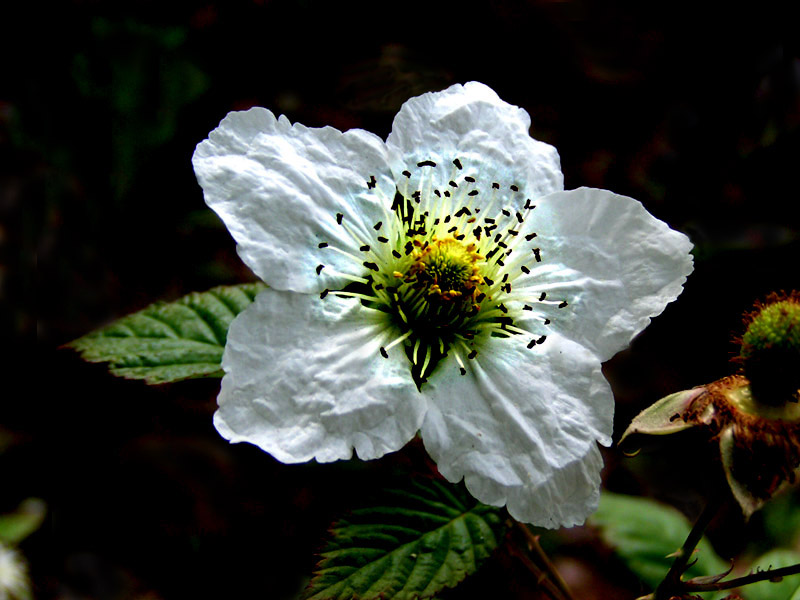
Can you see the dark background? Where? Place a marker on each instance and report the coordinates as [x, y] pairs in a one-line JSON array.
[[691, 108]]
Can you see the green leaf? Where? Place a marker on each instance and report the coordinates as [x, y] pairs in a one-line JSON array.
[[16, 526], [172, 341], [426, 538], [781, 518], [643, 533], [786, 589]]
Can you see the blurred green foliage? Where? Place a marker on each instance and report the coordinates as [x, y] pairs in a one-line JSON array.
[[646, 534], [141, 73]]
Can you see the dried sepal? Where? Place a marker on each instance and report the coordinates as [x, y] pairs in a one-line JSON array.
[[670, 414], [759, 443]]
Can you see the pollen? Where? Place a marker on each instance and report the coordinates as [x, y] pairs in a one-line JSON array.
[[447, 268]]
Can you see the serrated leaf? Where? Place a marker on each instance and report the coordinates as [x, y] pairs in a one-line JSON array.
[[428, 538], [644, 532], [173, 341], [16, 526]]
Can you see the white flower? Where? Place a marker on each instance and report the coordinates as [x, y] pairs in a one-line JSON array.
[[440, 281], [14, 583]]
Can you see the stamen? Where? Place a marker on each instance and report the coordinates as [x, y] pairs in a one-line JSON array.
[[402, 314], [353, 257], [398, 340], [461, 367], [426, 362], [355, 295], [346, 276]]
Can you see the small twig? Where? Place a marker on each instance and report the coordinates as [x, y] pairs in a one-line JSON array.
[[542, 578], [549, 567], [744, 580]]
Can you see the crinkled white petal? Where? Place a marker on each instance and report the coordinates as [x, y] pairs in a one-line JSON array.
[[614, 263], [304, 379], [278, 188], [521, 427], [489, 137]]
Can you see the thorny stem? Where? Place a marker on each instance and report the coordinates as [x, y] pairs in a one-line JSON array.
[[771, 574], [545, 572], [672, 583], [674, 586]]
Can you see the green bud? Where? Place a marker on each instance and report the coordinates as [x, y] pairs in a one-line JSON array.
[[770, 350]]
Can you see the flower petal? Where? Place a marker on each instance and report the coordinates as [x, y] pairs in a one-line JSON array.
[[615, 264], [305, 379], [489, 138], [279, 188], [521, 427]]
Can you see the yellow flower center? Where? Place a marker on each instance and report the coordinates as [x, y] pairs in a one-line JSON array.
[[448, 269]]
